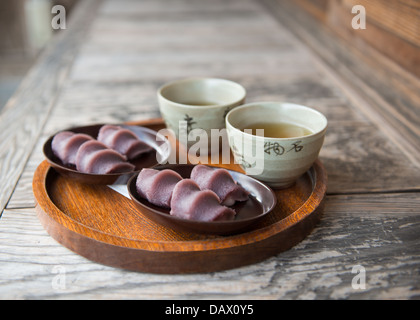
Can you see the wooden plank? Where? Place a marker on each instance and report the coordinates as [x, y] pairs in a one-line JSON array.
[[392, 27], [397, 17], [159, 52], [317, 8], [13, 38], [397, 46], [379, 232], [23, 118], [150, 7], [22, 196], [358, 158]]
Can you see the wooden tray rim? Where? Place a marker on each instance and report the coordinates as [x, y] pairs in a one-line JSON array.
[[50, 213]]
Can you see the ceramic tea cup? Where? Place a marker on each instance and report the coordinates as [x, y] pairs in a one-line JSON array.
[[195, 106], [281, 158]]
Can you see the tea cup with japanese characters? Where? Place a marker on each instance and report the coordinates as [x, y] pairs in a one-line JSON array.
[[275, 142], [196, 107]]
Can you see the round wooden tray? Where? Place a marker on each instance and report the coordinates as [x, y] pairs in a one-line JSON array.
[[104, 226]]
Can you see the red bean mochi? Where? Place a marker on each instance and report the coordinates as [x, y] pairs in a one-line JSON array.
[[65, 145], [96, 158], [123, 141], [190, 202], [156, 186], [221, 182]]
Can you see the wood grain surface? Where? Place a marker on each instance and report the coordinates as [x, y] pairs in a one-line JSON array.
[[119, 52], [392, 27]]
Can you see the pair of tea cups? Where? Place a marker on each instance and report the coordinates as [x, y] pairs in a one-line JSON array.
[[205, 112]]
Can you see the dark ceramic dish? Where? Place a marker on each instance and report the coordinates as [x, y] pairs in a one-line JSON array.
[[261, 201], [160, 154]]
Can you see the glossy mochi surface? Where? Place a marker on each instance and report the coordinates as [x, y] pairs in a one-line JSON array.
[[65, 145], [221, 182], [94, 157], [192, 203], [123, 141], [157, 186]]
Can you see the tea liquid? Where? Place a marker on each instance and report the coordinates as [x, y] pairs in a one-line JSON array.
[[279, 130]]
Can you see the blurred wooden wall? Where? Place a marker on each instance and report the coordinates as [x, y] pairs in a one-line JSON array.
[[392, 26], [15, 22], [12, 27]]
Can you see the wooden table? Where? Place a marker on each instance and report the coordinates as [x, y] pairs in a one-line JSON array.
[[106, 67]]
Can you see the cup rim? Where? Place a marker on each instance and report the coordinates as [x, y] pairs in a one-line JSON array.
[[192, 79], [266, 103]]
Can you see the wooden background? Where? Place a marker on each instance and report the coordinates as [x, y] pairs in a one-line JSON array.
[[107, 66], [392, 27]]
